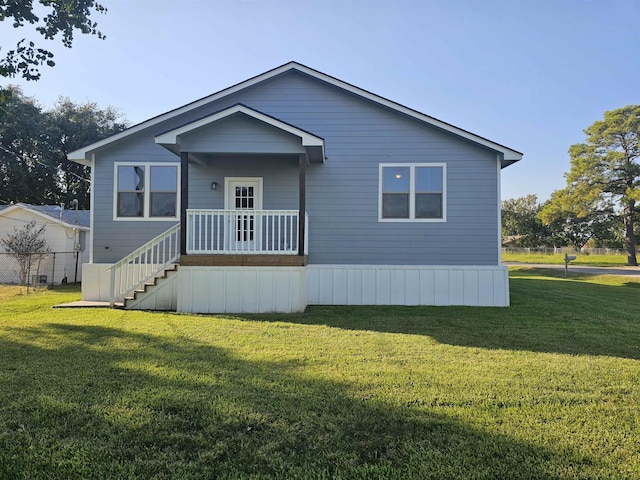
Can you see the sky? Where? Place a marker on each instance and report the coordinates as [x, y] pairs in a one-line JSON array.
[[531, 75]]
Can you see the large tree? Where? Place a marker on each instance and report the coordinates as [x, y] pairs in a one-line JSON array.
[[571, 223], [604, 178], [63, 17], [520, 222], [25, 173], [71, 126], [34, 145]]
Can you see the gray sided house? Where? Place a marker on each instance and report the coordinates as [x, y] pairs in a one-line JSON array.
[[294, 188]]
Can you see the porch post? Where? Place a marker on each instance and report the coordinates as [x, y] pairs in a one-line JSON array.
[[302, 176], [184, 200]]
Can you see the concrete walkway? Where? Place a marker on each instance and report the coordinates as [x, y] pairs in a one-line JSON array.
[[621, 271], [83, 304]]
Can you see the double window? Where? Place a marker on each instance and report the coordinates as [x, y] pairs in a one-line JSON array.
[[412, 192], [146, 191]]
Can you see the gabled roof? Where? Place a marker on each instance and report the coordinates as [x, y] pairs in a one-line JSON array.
[[308, 140], [67, 218], [508, 155]]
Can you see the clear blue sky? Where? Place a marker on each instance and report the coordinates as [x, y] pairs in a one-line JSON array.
[[527, 74]]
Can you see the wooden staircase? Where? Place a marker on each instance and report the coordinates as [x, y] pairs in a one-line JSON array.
[[133, 275], [147, 287]]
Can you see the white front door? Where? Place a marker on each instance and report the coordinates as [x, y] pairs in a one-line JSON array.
[[244, 229]]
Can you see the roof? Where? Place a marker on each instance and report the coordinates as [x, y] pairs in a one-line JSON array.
[[508, 155], [68, 218]]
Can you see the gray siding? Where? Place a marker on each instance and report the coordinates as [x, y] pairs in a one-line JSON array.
[[114, 240], [240, 134], [342, 193]]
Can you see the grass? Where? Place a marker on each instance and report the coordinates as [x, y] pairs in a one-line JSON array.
[[558, 259], [548, 388]]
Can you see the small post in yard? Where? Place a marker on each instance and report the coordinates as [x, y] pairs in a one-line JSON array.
[[567, 259]]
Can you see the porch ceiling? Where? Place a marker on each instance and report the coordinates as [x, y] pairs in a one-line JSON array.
[[242, 130]]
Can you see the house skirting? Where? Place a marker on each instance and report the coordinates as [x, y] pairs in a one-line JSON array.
[[407, 285], [241, 289], [260, 289]]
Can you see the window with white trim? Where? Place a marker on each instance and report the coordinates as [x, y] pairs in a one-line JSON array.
[[147, 191], [412, 192]]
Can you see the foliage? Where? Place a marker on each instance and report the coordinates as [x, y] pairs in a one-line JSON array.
[[574, 225], [520, 222], [24, 175], [547, 388], [62, 17], [26, 245], [34, 145], [71, 126], [604, 178]]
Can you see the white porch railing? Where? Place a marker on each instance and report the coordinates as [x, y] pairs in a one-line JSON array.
[[271, 232], [144, 263]]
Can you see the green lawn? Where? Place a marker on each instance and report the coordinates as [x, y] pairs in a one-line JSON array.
[[558, 259], [548, 388]]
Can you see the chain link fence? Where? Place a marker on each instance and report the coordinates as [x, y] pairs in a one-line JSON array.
[[40, 269]]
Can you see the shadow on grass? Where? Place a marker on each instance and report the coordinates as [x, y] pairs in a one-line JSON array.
[[95, 402], [550, 315]]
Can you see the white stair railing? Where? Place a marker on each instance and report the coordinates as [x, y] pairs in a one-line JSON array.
[[144, 263]]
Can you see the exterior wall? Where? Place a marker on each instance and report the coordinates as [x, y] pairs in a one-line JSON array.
[[279, 174], [60, 239], [113, 240], [342, 193]]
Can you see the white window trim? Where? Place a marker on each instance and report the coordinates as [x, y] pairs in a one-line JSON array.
[[412, 192], [147, 192]]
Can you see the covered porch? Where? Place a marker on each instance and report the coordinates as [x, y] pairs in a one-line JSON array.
[[229, 218]]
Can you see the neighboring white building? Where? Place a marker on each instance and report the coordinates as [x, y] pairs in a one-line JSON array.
[[66, 234]]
